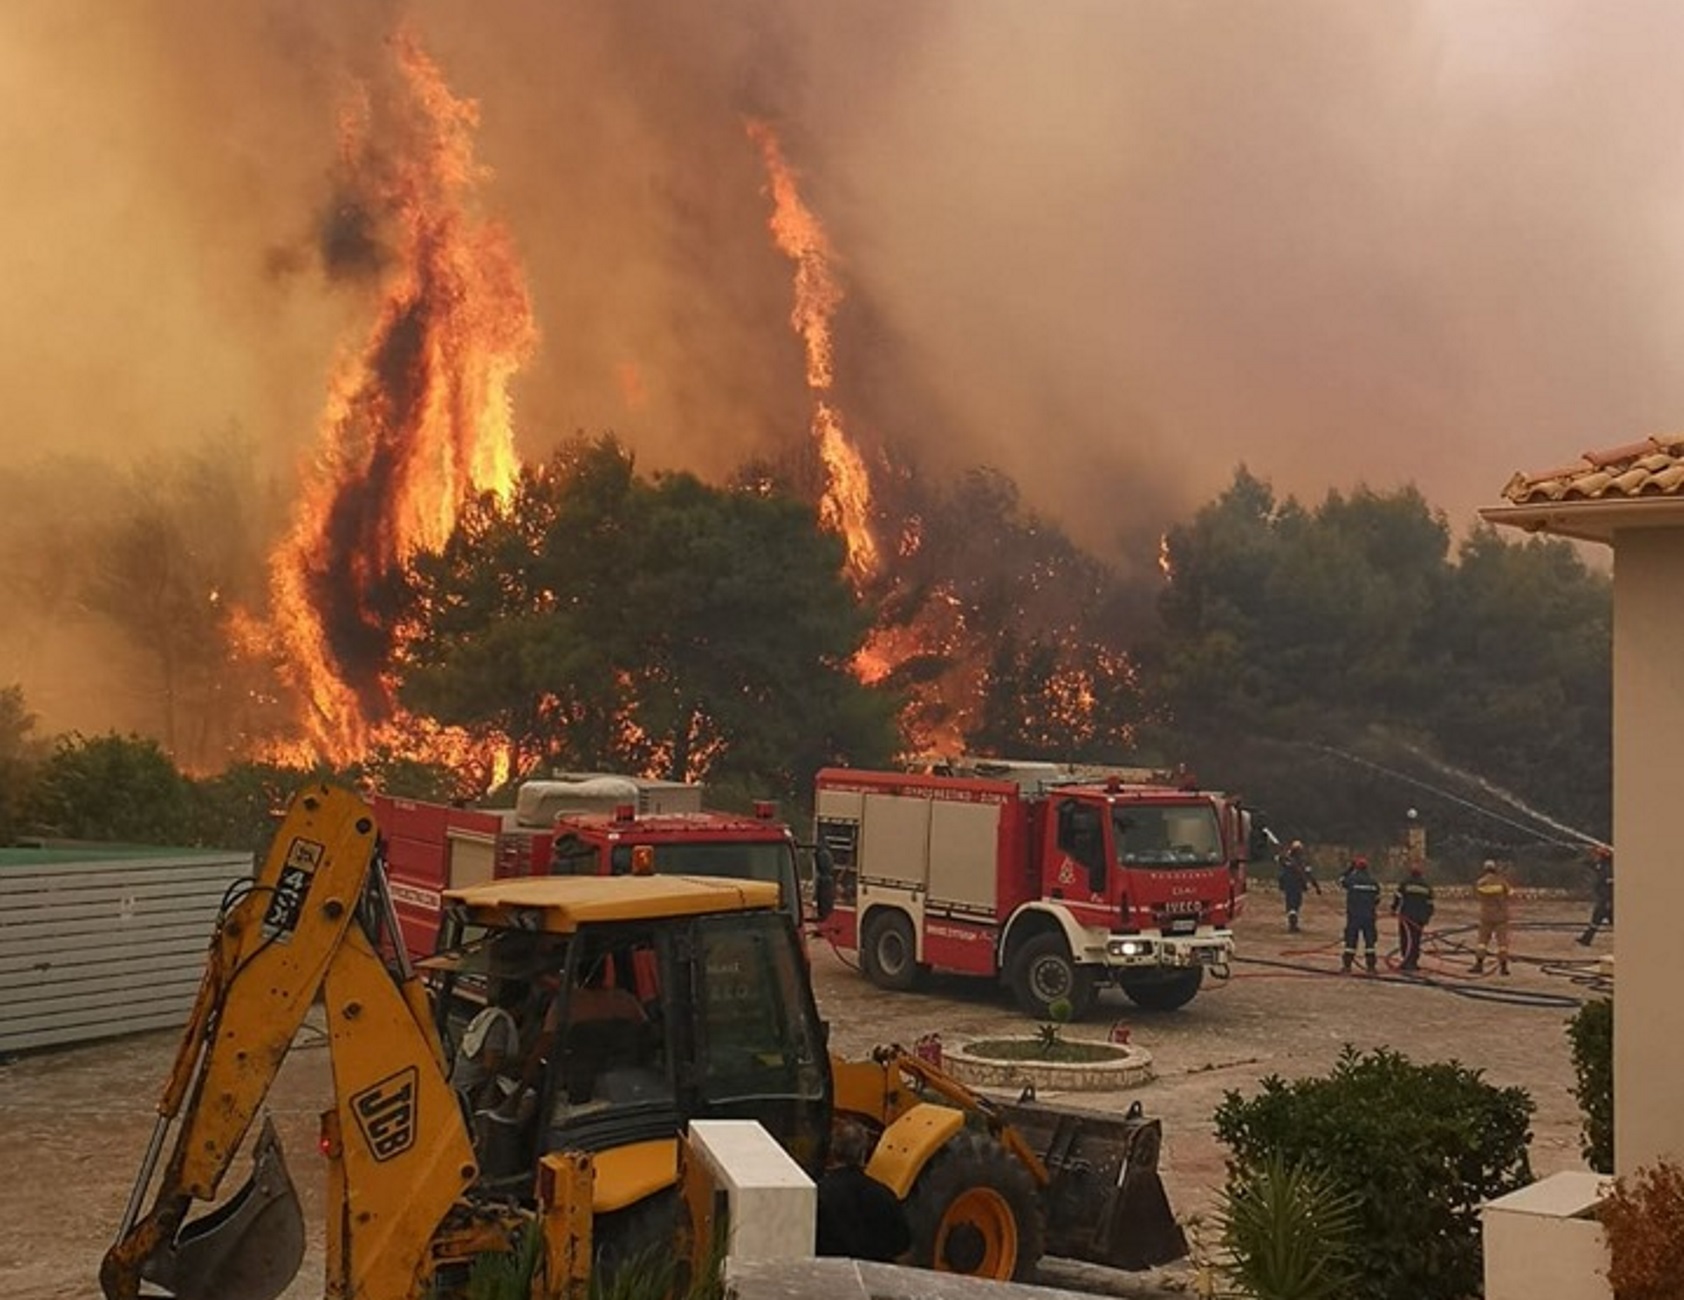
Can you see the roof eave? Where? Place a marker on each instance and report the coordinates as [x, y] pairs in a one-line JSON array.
[[1589, 521]]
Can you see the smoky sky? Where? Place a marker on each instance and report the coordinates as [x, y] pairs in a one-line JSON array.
[[1113, 249]]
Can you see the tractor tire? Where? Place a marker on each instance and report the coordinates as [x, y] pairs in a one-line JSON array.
[[974, 1210], [1042, 973], [1157, 992], [888, 953]]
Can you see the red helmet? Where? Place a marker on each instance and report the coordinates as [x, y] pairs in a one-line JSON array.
[[1359, 863]]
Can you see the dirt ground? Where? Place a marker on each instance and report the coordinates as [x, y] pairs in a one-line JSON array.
[[74, 1123]]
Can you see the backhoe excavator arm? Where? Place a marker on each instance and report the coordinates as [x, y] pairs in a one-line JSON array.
[[404, 1154]]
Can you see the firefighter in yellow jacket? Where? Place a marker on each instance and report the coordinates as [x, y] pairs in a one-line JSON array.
[[1492, 889]]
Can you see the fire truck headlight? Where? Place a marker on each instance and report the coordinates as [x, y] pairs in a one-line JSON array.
[[1129, 947]]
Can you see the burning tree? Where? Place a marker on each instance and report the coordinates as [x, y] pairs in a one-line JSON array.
[[418, 418], [969, 571], [602, 620], [520, 651], [1009, 637]]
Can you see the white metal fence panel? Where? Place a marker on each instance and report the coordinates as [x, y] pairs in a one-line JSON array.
[[106, 945]]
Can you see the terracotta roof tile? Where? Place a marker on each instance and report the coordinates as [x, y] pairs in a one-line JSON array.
[[1651, 468]]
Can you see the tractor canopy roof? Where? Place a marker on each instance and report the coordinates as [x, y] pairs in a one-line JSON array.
[[561, 904]]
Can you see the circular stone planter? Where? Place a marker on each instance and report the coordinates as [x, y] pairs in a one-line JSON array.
[[1126, 1067]]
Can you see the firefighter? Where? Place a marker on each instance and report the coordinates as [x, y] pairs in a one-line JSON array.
[[1412, 904], [1295, 874], [859, 1217], [1492, 889], [1362, 904], [1602, 892]]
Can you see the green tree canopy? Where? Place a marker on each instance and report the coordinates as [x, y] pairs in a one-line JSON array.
[[111, 787], [660, 626], [1350, 627], [1524, 682]]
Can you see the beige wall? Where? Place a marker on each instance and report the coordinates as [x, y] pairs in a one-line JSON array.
[[1648, 803]]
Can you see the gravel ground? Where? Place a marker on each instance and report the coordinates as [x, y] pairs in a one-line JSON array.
[[74, 1123]]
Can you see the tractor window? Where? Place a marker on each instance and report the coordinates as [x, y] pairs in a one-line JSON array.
[[606, 1025], [759, 1036], [1167, 835], [462, 978]]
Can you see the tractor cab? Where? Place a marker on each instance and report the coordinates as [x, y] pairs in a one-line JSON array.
[[648, 1001]]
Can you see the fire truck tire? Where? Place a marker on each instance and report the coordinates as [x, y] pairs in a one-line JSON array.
[[1043, 972], [974, 1210], [1163, 992], [889, 952]]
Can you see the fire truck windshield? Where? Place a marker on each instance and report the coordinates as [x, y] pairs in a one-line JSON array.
[[753, 860], [1167, 835]]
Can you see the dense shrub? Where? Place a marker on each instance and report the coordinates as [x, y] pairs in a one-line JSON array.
[[1591, 1032], [240, 808], [1422, 1146], [117, 788]]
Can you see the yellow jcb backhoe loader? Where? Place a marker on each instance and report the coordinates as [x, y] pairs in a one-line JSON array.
[[649, 1001]]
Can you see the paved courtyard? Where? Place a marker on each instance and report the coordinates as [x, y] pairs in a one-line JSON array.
[[74, 1123]]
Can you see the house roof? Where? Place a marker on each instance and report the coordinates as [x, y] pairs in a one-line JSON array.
[[1639, 484]]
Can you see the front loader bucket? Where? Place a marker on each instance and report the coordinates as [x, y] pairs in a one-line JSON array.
[[248, 1248], [1105, 1202]]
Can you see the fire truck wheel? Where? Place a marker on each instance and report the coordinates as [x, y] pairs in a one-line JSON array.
[[889, 954], [1163, 992], [974, 1210], [1043, 973]]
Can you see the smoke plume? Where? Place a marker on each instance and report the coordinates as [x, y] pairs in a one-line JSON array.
[[1112, 250]]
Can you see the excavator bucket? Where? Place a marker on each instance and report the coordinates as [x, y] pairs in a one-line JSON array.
[[248, 1248], [1105, 1202]]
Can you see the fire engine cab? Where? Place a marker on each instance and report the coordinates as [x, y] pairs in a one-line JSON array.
[[586, 824], [1060, 880]]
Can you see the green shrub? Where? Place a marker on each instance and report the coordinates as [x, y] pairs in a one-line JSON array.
[[123, 789], [1289, 1232], [1422, 1146], [241, 807], [1591, 1032]]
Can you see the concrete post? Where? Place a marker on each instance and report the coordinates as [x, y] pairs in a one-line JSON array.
[[772, 1204]]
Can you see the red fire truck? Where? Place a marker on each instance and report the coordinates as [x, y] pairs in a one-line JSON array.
[[591, 823], [1058, 879]]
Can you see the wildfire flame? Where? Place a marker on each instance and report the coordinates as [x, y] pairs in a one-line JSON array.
[[846, 502], [417, 418]]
